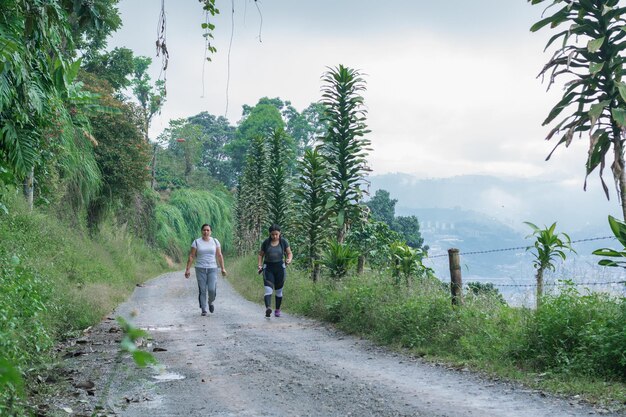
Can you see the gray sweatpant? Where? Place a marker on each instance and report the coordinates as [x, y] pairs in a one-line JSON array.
[[207, 281]]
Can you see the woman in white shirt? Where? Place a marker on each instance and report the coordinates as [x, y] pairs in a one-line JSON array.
[[208, 254]]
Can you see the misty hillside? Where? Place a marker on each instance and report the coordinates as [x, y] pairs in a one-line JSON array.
[[510, 200], [482, 213]]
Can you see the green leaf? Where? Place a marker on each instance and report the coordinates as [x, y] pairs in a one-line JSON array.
[[142, 359], [10, 375], [340, 217], [595, 44], [618, 227], [598, 148], [621, 86], [619, 115], [607, 252], [595, 67], [607, 262], [596, 111], [128, 345]]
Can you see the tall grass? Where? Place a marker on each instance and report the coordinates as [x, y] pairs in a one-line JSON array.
[[575, 343], [56, 281], [172, 234], [179, 220]]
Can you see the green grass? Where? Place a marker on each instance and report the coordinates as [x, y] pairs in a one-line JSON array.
[[56, 281], [574, 345]]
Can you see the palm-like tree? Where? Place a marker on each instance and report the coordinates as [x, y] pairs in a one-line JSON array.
[[251, 207], [591, 59], [547, 248], [345, 146], [311, 199], [279, 191]]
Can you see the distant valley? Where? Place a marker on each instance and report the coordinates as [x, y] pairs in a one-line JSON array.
[[487, 214]]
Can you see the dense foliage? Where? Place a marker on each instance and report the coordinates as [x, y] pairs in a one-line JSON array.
[[590, 57], [54, 282]]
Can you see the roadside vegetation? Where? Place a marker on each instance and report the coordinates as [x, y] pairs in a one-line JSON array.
[[573, 344], [56, 281]]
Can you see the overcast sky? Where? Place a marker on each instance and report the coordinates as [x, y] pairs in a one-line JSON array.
[[451, 85]]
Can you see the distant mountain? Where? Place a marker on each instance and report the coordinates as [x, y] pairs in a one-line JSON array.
[[487, 214], [509, 200]]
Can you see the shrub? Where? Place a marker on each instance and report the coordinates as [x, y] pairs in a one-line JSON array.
[[339, 258], [575, 333]]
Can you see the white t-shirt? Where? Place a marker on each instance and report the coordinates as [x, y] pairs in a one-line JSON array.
[[205, 252]]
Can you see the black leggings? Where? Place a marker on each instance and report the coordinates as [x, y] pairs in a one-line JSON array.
[[274, 275], [273, 280]]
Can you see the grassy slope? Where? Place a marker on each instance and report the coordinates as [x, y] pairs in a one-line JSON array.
[[56, 281]]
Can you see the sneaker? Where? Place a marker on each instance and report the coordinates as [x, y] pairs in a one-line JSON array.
[[268, 312], [203, 313], [277, 312], [211, 308]]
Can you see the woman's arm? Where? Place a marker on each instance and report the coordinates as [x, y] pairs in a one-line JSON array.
[[220, 259], [192, 254], [260, 259], [289, 255]]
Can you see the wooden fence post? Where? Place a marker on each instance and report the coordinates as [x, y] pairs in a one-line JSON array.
[[456, 282]]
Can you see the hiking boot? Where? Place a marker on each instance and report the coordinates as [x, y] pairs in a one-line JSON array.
[[211, 308], [277, 312], [268, 312], [203, 313]]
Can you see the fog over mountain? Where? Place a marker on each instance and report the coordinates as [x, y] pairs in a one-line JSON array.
[[509, 200], [485, 214]]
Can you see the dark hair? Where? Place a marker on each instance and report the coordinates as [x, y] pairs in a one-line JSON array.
[[205, 225], [274, 228]]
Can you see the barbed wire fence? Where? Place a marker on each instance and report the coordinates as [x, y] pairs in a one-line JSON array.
[[524, 249]]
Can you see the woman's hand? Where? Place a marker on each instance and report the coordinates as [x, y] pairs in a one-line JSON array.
[[224, 272], [187, 273]]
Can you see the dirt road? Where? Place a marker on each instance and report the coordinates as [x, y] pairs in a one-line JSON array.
[[236, 362]]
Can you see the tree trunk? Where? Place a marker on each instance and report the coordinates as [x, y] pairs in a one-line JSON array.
[[539, 287], [315, 275], [360, 266], [29, 188], [153, 170]]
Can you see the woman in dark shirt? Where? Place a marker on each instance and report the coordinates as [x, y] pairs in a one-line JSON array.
[[274, 256]]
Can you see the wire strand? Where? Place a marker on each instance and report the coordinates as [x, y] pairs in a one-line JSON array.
[[519, 247]]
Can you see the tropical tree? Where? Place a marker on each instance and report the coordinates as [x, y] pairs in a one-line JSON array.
[[186, 142], [383, 207], [311, 215], [547, 248], [258, 121], [251, 204], [344, 146], [279, 199], [150, 97], [407, 262], [590, 57], [28, 91], [307, 127], [117, 67], [122, 155], [409, 229], [216, 134], [373, 240]]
